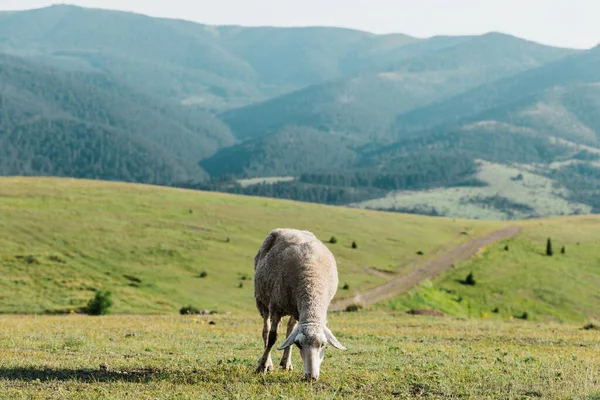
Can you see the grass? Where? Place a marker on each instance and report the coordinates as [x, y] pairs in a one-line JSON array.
[[389, 356], [523, 279], [534, 191], [62, 239]]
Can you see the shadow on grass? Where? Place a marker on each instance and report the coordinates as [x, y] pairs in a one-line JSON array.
[[29, 374]]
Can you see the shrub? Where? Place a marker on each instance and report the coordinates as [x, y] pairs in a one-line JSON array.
[[470, 280], [333, 240], [354, 245], [496, 310], [189, 310], [426, 312], [420, 253], [346, 287], [353, 307], [100, 304], [563, 250], [132, 278], [241, 285], [203, 274], [549, 251], [506, 248], [524, 316]]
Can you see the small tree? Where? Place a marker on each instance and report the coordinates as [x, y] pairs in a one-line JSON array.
[[333, 240], [354, 245], [549, 251], [188, 310], [100, 304], [470, 280]]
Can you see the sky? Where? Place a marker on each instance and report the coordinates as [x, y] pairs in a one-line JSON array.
[[567, 23]]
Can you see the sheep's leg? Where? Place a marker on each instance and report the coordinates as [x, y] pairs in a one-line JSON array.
[[286, 360], [266, 328], [265, 364]]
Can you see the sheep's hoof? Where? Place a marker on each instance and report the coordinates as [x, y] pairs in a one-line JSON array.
[[286, 366], [264, 368]]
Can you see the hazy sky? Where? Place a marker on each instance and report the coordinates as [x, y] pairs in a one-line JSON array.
[[572, 23]]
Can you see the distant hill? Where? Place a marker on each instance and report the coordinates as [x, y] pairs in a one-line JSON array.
[[366, 105], [87, 125], [207, 66], [577, 68], [290, 151], [542, 121], [326, 115]]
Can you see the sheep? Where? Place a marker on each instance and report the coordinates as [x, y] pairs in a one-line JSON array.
[[295, 274]]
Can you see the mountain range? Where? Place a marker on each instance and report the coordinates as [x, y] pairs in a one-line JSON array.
[[487, 126]]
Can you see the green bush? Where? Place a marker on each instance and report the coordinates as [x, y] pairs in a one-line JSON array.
[[470, 280], [549, 251], [353, 308], [100, 304], [354, 245], [346, 287], [591, 326], [333, 240], [189, 310], [203, 274]]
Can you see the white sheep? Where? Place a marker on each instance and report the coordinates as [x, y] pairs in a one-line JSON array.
[[295, 274]]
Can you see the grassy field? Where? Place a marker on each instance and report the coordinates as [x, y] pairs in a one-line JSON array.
[[534, 191], [388, 356], [61, 239], [564, 287], [268, 180]]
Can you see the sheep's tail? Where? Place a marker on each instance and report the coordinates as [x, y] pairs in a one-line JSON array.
[[266, 246]]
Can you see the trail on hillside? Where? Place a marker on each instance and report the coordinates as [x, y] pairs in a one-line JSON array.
[[401, 284]]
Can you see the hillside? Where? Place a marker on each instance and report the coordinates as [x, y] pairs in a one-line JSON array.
[[62, 239], [90, 126], [540, 122], [366, 105], [352, 118], [575, 69], [207, 66], [521, 279]]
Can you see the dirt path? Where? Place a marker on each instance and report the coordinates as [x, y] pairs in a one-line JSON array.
[[440, 264]]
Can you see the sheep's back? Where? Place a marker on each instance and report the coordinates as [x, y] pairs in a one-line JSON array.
[[294, 266]]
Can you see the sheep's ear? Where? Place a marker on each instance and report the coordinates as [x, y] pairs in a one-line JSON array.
[[332, 340], [290, 339]]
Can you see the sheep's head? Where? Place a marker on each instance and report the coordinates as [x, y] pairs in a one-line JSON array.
[[311, 339]]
